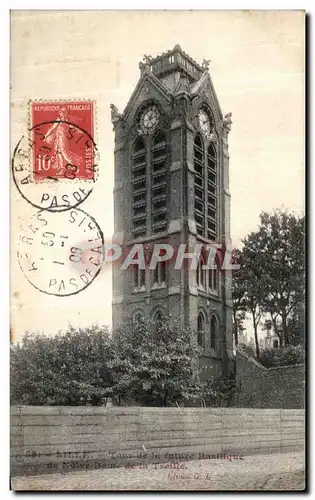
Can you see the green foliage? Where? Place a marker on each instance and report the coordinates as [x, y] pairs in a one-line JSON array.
[[146, 363], [271, 276], [239, 297], [219, 393], [246, 349], [275, 257], [289, 355], [156, 364], [246, 296], [67, 369], [296, 326]]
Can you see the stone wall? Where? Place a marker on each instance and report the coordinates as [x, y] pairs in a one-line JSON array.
[[49, 439], [260, 387]]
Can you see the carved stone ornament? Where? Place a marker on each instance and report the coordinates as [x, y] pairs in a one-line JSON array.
[[182, 106], [182, 86], [205, 64], [146, 65], [147, 60], [115, 115], [227, 122], [118, 124]]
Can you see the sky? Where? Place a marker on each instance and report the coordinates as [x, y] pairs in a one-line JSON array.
[[257, 67]]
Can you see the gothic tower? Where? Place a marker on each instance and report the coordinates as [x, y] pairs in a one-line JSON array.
[[172, 185]]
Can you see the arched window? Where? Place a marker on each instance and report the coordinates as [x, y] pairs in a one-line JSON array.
[[160, 273], [210, 278], [158, 316], [213, 332], [201, 273], [159, 182], [213, 279], [199, 166], [201, 329], [139, 188], [211, 192], [137, 316], [138, 277], [157, 320]]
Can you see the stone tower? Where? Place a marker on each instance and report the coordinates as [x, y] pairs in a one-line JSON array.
[[172, 185]]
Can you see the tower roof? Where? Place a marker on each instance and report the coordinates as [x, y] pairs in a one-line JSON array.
[[176, 60]]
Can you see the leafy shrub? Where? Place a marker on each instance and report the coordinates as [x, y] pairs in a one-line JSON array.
[[69, 368], [156, 364], [282, 356], [145, 363], [246, 349]]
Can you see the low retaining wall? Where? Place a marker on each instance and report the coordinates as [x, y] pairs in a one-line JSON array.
[[50, 439], [260, 387]]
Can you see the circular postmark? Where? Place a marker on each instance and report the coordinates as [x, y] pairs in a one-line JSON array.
[[61, 253], [54, 165]]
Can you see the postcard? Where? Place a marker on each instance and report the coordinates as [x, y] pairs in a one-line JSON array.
[[157, 250]]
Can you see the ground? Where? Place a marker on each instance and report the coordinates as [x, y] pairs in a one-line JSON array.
[[260, 472]]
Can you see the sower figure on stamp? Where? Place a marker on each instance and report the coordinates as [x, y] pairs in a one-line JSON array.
[[57, 136]]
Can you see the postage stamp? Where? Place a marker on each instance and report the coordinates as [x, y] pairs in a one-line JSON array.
[[61, 253], [62, 148], [55, 164]]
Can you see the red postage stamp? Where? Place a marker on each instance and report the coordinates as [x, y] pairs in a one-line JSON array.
[[62, 140]]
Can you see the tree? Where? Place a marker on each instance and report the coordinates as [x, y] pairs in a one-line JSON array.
[[69, 368], [289, 355], [146, 362], [296, 326], [238, 296], [274, 257], [245, 349], [238, 325], [246, 296], [253, 305], [156, 364]]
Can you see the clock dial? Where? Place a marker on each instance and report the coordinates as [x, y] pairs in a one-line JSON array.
[[204, 123], [149, 119]]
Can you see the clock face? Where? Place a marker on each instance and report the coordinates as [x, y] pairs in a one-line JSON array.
[[204, 123], [149, 119]]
